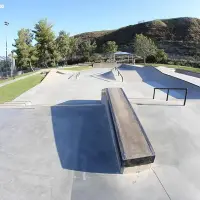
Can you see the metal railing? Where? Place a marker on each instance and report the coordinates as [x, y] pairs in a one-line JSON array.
[[77, 75], [168, 89], [119, 74]]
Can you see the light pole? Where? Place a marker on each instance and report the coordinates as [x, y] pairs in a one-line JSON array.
[[6, 24]]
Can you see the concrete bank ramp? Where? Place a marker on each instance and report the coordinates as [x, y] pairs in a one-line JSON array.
[[130, 73], [155, 78], [56, 74], [106, 76]]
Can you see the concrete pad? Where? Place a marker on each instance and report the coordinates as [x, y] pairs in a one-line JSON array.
[[30, 166], [117, 187]]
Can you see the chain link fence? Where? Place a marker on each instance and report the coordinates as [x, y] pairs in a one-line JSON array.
[[7, 68]]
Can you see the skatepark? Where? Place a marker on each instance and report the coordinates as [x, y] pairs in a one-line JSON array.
[[56, 140]]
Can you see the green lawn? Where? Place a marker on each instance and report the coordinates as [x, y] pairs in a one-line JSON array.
[[192, 69], [10, 78], [13, 90], [79, 68]]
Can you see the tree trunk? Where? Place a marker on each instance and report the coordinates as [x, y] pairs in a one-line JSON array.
[[145, 60], [31, 66]]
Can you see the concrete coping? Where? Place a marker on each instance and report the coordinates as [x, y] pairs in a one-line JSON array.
[[133, 145]]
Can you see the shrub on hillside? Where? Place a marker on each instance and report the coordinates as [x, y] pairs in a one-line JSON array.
[[182, 62], [159, 57], [159, 23]]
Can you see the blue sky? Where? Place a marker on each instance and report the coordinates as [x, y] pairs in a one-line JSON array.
[[77, 16]]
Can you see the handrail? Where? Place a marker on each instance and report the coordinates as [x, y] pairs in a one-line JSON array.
[[119, 73], [168, 89], [74, 75]]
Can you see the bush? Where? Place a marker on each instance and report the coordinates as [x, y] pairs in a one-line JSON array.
[[161, 56], [151, 59], [96, 58], [182, 62], [76, 61]]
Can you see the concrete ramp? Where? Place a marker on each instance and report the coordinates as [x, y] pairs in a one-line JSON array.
[[130, 73], [109, 75], [155, 78], [56, 74]]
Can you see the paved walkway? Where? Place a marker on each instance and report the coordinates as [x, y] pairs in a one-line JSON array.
[[66, 151]]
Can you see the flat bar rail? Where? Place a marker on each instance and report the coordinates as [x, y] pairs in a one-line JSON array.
[[168, 90], [119, 74]]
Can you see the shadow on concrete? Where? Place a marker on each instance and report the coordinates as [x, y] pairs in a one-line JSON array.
[[155, 78], [102, 79], [58, 72], [152, 102], [83, 138], [80, 102]]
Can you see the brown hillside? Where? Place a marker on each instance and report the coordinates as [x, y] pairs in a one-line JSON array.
[[178, 37]]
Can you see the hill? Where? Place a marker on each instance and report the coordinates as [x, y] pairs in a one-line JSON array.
[[179, 37]]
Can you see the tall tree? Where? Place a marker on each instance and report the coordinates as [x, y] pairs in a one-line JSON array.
[[24, 48], [63, 45], [73, 46], [110, 47], [46, 45], [87, 48], [144, 46]]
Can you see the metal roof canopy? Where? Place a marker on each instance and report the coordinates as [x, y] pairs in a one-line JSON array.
[[127, 55], [123, 53]]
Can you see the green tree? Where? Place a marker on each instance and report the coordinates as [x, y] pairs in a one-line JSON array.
[[87, 48], [144, 46], [161, 56], [110, 47], [46, 45], [24, 49], [73, 46], [63, 45]]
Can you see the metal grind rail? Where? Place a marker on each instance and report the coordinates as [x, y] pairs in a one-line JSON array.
[[119, 74], [168, 90]]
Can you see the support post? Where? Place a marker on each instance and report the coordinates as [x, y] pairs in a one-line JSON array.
[[186, 91], [167, 95], [154, 90]]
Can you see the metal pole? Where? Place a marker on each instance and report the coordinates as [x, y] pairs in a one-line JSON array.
[[6, 24], [167, 94], [6, 50], [154, 90], [186, 91]]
